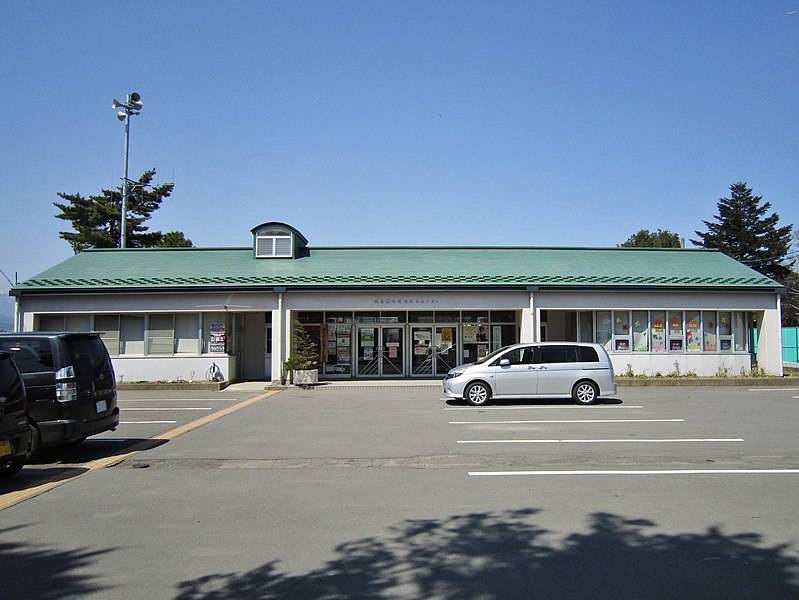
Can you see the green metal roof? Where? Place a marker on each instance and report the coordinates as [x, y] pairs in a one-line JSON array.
[[395, 267]]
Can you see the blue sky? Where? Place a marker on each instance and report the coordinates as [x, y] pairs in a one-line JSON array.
[[400, 122]]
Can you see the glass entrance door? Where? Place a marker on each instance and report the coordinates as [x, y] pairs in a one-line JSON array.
[[380, 351], [446, 343], [422, 356]]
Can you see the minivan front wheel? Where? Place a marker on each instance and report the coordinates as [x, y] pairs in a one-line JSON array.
[[477, 394], [585, 392]]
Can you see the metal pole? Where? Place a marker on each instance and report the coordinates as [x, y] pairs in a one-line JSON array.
[[124, 227]]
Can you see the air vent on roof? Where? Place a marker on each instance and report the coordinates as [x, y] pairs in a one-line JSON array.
[[273, 246]]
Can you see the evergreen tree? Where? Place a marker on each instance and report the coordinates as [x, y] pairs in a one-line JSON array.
[[653, 239], [96, 220], [175, 239], [743, 232]]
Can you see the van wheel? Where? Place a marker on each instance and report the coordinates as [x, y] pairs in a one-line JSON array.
[[7, 469], [585, 392], [477, 394]]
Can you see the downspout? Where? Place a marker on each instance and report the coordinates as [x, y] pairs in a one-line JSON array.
[[281, 343]]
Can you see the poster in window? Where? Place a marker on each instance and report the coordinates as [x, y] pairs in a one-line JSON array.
[[367, 338], [217, 338], [470, 334]]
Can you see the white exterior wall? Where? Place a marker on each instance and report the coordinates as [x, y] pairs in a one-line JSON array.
[[170, 368], [764, 305], [529, 303]]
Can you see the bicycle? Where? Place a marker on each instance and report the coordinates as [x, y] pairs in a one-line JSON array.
[[214, 373]]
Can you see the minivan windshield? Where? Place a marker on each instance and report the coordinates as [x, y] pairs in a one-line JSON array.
[[489, 357]]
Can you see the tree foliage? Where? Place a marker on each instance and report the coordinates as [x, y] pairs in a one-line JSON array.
[[97, 220], [175, 239], [653, 239], [743, 231]]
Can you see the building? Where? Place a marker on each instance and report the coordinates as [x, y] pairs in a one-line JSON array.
[[169, 314]]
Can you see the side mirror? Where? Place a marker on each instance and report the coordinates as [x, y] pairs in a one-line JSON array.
[[505, 362]]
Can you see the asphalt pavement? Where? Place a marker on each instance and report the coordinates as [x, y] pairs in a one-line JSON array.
[[394, 492]]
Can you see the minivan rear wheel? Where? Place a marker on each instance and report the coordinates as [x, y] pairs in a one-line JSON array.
[[477, 394], [585, 392]]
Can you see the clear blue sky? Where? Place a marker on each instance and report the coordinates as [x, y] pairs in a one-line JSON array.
[[400, 122]]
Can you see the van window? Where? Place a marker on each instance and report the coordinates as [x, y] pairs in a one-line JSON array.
[[31, 356], [518, 356], [88, 355], [587, 354], [558, 354]]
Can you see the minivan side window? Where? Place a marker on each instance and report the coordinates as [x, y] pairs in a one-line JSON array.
[[558, 354], [587, 354], [31, 356]]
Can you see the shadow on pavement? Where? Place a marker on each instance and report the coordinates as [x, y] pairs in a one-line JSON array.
[[505, 554], [94, 449], [32, 570]]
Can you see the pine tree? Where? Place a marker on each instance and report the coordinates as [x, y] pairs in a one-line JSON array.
[[743, 232], [96, 220]]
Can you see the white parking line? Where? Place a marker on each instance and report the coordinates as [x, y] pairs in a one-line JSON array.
[[169, 409], [655, 441], [147, 422], [126, 401], [568, 421], [665, 472], [566, 407], [785, 389]]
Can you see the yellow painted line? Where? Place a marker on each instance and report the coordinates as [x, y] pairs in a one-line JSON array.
[[12, 498]]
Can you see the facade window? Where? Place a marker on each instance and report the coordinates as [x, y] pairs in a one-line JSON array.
[[676, 335], [621, 331], [709, 331], [740, 332], [77, 322], [586, 326], [658, 329], [640, 331], [108, 327], [160, 332], [725, 331], [187, 334], [131, 334], [604, 329], [50, 323], [693, 331]]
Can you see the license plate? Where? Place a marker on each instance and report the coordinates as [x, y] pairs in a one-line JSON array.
[[101, 406], [5, 448]]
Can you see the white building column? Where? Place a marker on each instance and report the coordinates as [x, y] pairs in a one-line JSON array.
[[527, 333], [769, 341], [280, 333]]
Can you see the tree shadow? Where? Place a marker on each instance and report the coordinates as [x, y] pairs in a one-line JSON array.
[[34, 571], [504, 554]]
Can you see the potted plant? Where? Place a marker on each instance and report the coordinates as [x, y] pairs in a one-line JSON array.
[[302, 363]]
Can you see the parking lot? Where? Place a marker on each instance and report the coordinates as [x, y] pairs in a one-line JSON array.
[[375, 491]]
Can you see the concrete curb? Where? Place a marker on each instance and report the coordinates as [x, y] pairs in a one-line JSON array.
[[710, 382], [620, 382], [214, 386]]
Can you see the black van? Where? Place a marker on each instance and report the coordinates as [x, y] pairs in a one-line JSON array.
[[15, 433], [70, 384]]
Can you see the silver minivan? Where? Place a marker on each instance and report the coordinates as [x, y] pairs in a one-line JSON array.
[[542, 369]]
